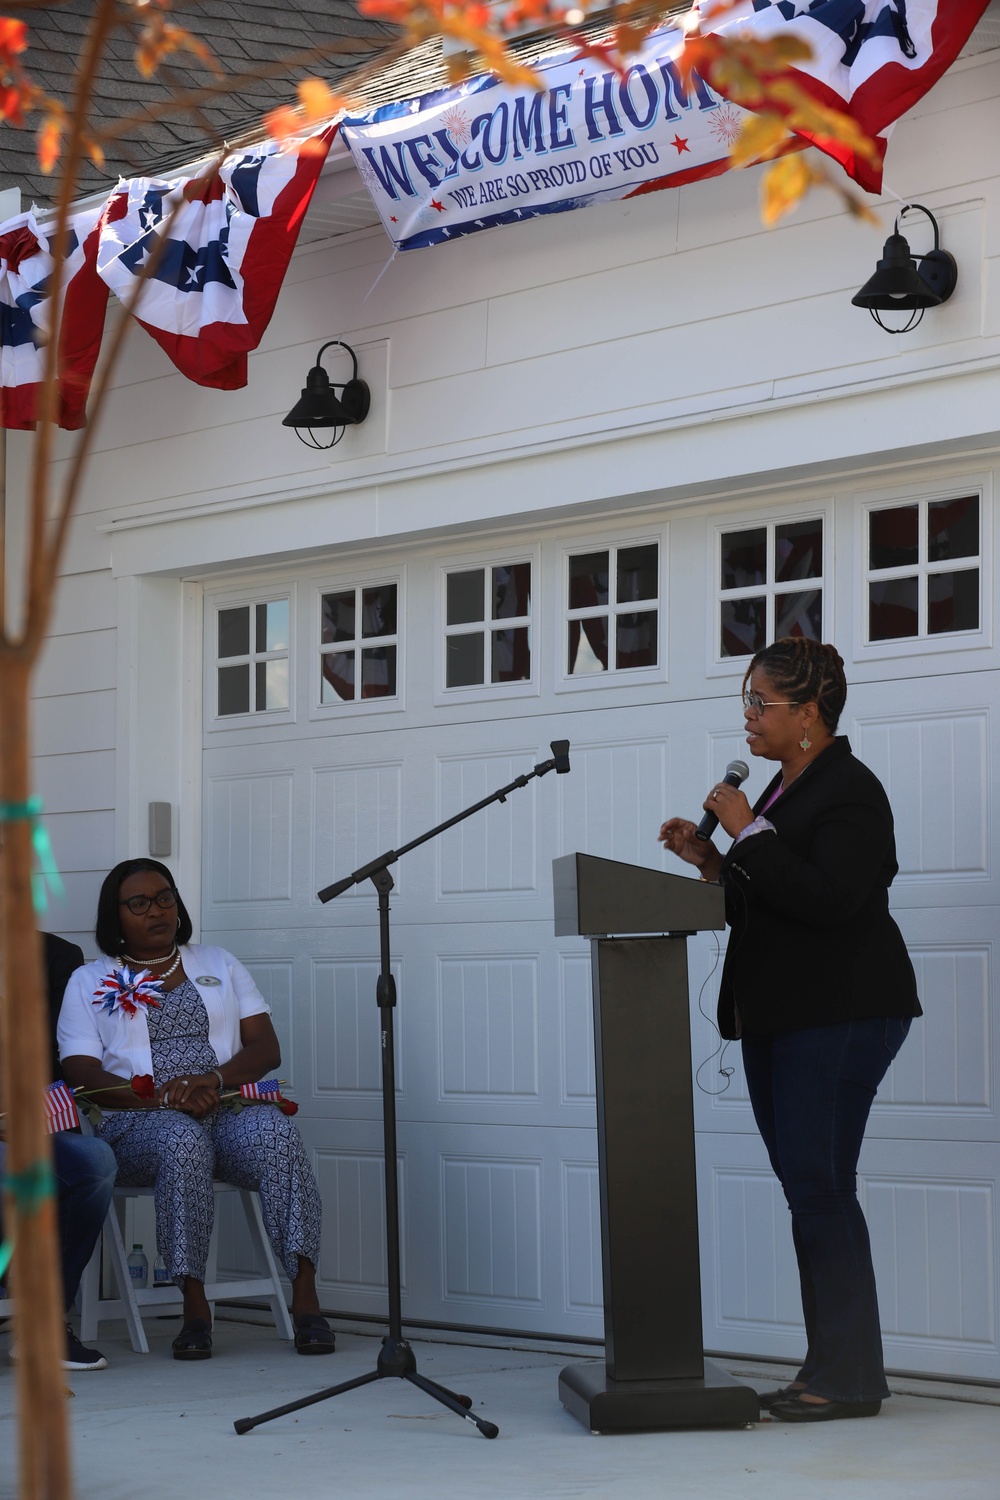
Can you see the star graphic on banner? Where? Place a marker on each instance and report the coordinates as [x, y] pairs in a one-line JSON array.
[[681, 142], [415, 107], [437, 205], [393, 219], [149, 217], [193, 279]]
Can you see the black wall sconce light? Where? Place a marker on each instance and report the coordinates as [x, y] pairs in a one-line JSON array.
[[901, 285], [319, 408]]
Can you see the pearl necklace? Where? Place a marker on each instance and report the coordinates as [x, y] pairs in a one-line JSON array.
[[147, 963]]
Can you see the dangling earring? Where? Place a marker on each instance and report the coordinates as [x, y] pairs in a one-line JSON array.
[[805, 743]]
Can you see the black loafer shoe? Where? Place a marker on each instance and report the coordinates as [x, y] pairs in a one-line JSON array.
[[766, 1399], [194, 1341], [795, 1410]]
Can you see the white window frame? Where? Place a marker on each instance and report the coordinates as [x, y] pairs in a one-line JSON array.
[[719, 665], [615, 676], [340, 584], [923, 495], [215, 603], [487, 559]]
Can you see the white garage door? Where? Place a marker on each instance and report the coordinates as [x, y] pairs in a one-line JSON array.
[[333, 750]]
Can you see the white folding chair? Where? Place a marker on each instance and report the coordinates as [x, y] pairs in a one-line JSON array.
[[130, 1303]]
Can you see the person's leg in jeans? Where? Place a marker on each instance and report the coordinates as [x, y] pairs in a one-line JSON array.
[[85, 1171], [812, 1091]]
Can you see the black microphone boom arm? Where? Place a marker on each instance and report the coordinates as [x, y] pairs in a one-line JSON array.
[[559, 763]]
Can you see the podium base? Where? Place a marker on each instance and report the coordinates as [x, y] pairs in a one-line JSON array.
[[606, 1405]]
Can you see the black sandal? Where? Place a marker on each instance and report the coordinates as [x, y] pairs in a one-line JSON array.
[[313, 1335], [194, 1340]]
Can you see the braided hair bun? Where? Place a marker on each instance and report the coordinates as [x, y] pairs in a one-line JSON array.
[[806, 671]]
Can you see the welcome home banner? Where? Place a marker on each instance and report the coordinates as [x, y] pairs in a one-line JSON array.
[[486, 152]]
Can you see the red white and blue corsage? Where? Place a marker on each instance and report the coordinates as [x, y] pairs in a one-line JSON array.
[[126, 989]]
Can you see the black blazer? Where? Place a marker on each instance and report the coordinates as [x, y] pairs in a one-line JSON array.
[[811, 940], [61, 958]]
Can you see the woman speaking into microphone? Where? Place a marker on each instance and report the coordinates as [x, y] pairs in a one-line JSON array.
[[819, 988]]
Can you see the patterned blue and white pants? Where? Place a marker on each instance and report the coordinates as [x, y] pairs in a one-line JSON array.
[[178, 1157]]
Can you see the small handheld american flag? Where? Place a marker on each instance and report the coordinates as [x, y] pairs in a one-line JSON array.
[[267, 1089], [61, 1112]]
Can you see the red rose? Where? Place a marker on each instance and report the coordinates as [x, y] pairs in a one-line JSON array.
[[143, 1085], [287, 1106]]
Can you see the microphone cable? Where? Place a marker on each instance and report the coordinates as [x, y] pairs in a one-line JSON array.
[[718, 1051]]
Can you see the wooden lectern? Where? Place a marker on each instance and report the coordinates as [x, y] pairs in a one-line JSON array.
[[655, 1374]]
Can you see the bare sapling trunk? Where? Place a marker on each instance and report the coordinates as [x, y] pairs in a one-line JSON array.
[[29, 1211]]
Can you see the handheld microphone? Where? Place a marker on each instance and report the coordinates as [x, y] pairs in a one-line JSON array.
[[737, 772]]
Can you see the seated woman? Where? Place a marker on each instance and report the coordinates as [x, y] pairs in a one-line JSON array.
[[205, 1028]]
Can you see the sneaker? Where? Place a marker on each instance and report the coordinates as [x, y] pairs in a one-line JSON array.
[[79, 1358]]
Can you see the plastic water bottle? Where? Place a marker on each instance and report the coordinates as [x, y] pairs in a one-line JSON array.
[[160, 1277], [138, 1268]]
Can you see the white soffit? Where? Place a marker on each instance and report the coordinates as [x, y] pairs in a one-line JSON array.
[[987, 34]]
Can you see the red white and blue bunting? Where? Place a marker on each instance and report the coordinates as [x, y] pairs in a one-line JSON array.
[[210, 299], [438, 167]]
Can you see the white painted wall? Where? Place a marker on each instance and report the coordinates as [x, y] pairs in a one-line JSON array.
[[667, 359]]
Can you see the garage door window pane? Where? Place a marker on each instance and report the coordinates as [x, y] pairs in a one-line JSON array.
[[234, 631], [234, 690], [511, 656], [799, 615], [338, 677], [953, 601], [466, 596], [378, 611], [798, 551], [588, 580], [272, 684], [588, 646], [892, 611], [511, 592], [638, 574], [378, 672], [743, 626], [953, 529], [338, 617], [272, 626], [894, 537], [744, 558], [465, 661], [636, 641]]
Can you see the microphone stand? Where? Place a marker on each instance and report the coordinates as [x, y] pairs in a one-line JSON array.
[[396, 1359]]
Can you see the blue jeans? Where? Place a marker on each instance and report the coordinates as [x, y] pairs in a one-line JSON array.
[[85, 1171], [811, 1093]]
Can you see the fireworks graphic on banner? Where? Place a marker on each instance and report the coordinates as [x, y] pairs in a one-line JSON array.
[[456, 122], [726, 124]]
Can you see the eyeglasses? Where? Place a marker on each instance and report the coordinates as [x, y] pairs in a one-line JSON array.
[[139, 905], [754, 703]]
